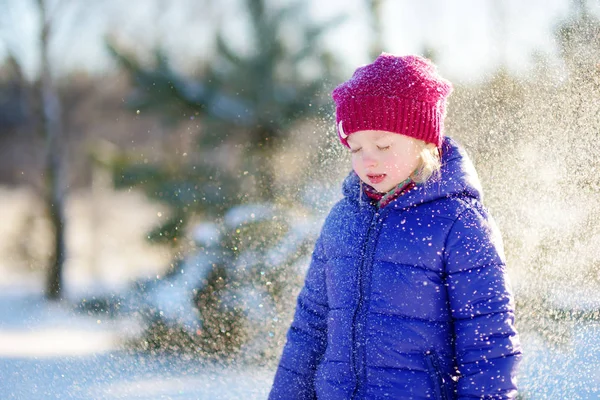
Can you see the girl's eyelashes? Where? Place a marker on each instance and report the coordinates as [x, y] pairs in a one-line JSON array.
[[382, 148]]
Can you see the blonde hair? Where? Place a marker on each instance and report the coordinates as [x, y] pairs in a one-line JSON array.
[[430, 163]]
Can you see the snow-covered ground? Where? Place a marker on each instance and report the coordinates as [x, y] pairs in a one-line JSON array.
[[572, 372], [49, 351], [124, 377]]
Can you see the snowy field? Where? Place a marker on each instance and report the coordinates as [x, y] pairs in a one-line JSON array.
[[47, 351], [50, 352]]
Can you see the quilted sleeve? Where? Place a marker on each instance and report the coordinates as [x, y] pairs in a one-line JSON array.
[[486, 342], [306, 338]]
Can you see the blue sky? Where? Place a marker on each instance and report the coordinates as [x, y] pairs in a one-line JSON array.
[[471, 37]]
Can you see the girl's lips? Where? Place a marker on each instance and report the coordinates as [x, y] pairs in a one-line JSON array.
[[375, 179]]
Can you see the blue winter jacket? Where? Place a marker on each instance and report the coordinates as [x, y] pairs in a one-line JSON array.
[[410, 301]]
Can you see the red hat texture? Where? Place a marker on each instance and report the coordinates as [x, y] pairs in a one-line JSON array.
[[396, 94]]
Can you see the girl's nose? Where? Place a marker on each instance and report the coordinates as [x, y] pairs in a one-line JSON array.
[[369, 161]]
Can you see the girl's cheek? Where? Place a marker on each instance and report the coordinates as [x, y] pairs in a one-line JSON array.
[[397, 155], [396, 158]]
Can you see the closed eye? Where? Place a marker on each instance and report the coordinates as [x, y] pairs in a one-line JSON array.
[[383, 147], [355, 150]]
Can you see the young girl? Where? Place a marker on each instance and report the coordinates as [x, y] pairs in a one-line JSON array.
[[406, 296]]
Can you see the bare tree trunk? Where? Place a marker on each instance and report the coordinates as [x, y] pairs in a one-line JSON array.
[[55, 186]]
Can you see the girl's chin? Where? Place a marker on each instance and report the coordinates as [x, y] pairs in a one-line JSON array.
[[383, 188]]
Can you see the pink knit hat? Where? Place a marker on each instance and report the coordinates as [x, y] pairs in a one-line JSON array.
[[396, 94]]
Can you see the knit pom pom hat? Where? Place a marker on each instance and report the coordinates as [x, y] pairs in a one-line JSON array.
[[396, 94]]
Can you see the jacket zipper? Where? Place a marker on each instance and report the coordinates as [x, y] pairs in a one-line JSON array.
[[358, 353], [438, 383]]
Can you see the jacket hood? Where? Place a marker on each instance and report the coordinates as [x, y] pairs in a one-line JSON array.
[[458, 178]]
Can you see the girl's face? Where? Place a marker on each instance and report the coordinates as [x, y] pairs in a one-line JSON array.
[[383, 159]]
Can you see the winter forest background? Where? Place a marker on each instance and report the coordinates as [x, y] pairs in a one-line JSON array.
[[165, 168]]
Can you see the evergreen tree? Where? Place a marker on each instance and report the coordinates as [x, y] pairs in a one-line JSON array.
[[245, 104]]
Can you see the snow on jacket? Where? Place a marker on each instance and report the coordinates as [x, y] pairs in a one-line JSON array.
[[409, 301]]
